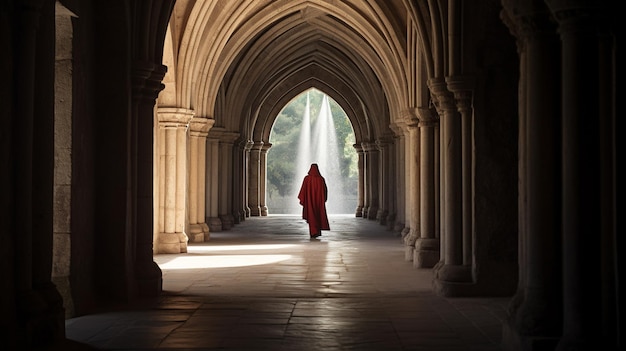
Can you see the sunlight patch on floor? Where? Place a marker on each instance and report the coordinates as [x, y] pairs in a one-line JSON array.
[[222, 261]]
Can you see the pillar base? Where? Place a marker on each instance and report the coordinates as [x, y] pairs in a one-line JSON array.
[[149, 280], [215, 224], [183, 240], [391, 221], [358, 212], [381, 216], [196, 232], [409, 253], [454, 280], [404, 232], [228, 221], [372, 212], [426, 253], [171, 243]]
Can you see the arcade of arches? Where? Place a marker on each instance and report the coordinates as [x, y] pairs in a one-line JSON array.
[[485, 132]]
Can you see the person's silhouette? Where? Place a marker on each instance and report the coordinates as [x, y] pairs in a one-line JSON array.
[[313, 195]]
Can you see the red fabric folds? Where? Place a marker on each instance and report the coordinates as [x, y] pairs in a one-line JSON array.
[[313, 195]]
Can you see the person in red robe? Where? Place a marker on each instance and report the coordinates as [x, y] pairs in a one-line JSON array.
[[313, 195]]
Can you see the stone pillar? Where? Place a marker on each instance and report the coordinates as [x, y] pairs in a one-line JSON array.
[[63, 127], [254, 178], [372, 180], [238, 181], [198, 131], [212, 180], [536, 309], [172, 176], [400, 174], [246, 174], [408, 159], [36, 314], [391, 183], [192, 204], [452, 272], [462, 87], [361, 181], [263, 178], [383, 147], [591, 262], [427, 245], [226, 179], [413, 186], [146, 84]]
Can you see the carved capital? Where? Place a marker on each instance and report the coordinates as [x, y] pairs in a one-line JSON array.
[[442, 98], [146, 80], [428, 117], [174, 116], [199, 126]]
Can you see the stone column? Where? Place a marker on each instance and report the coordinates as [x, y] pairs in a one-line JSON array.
[[29, 130], [462, 87], [254, 178], [391, 184], [172, 175], [413, 186], [536, 310], [452, 272], [383, 147], [199, 129], [372, 180], [246, 174], [263, 178], [226, 179], [62, 190], [192, 204], [408, 160], [400, 188], [236, 204], [146, 84], [592, 268], [361, 181], [427, 245], [212, 180]]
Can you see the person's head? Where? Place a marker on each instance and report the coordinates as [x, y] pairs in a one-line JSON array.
[[314, 169]]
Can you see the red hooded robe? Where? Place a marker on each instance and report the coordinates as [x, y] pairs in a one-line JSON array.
[[313, 195]]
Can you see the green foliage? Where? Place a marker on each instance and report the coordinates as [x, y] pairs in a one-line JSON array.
[[281, 157]]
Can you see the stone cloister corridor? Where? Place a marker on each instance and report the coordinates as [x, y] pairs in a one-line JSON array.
[[136, 132]]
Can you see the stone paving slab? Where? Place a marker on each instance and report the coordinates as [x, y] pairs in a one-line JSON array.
[[265, 285]]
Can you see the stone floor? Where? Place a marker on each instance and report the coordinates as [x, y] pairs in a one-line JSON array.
[[264, 285]]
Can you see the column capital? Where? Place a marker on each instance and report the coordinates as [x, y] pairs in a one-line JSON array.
[[458, 84], [146, 80], [358, 148], [442, 98], [463, 89], [174, 116], [200, 126], [397, 127], [369, 146], [257, 145], [409, 117], [247, 144], [265, 147], [427, 116]]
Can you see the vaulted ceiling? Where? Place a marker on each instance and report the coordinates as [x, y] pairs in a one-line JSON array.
[[241, 62]]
